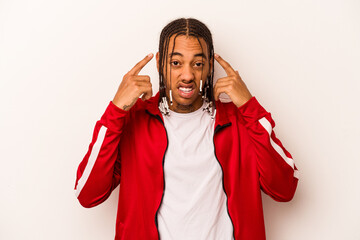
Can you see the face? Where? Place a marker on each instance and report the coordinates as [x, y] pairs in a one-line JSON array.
[[186, 66]]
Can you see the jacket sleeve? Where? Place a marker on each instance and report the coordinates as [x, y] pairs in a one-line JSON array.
[[99, 171], [278, 173]]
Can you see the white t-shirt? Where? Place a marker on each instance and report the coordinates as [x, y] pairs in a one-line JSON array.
[[194, 202]]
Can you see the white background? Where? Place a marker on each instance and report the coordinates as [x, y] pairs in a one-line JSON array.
[[62, 61]]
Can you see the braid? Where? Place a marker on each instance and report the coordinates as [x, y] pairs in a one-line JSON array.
[[187, 27]]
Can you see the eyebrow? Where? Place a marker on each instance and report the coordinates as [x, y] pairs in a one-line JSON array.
[[179, 54]]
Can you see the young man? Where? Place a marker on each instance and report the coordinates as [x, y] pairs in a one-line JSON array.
[[188, 165]]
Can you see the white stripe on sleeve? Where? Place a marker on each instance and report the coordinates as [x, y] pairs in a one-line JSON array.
[[91, 161], [267, 125]]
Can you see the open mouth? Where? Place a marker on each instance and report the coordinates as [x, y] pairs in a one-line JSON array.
[[186, 91]]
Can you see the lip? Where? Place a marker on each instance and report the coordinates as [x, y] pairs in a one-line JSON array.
[[184, 85], [184, 94]]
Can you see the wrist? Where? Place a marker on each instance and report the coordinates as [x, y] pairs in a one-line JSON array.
[[243, 101], [118, 103]]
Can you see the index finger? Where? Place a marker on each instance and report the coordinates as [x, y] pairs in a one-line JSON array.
[[226, 66], [137, 68]]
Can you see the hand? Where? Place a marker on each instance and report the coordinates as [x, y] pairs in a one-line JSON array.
[[232, 85], [133, 85]]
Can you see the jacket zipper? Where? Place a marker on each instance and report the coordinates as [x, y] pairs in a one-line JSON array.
[[163, 160], [217, 129]]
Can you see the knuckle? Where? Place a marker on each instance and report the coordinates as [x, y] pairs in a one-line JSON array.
[[126, 76], [136, 86], [132, 82]]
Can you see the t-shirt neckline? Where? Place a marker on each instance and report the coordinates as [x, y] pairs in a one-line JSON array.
[[190, 114]]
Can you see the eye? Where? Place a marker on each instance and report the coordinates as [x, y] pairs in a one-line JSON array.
[[199, 64], [175, 63]]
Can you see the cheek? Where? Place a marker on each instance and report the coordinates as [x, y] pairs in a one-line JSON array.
[[171, 77], [202, 74]]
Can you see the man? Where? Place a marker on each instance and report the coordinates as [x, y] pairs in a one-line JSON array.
[[190, 166]]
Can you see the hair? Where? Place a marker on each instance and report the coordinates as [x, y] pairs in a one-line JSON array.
[[188, 27]]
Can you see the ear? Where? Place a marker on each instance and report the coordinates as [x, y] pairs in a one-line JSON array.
[[157, 61]]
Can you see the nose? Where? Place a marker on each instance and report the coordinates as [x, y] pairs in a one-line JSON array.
[[187, 74]]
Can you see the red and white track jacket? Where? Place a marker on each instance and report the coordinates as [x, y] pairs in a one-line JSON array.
[[129, 147]]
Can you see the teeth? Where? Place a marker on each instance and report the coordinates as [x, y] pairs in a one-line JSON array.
[[185, 89]]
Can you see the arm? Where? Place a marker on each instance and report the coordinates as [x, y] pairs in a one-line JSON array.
[[99, 172], [278, 173]]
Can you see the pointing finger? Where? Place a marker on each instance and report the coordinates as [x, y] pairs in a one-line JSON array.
[[137, 68], [226, 66], [143, 78]]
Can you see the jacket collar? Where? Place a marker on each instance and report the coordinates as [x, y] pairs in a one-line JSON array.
[[152, 104], [222, 117]]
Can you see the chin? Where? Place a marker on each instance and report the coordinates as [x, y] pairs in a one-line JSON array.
[[190, 101]]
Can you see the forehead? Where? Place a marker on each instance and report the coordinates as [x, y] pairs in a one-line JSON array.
[[188, 44]]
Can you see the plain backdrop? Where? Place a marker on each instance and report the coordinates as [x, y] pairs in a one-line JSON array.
[[61, 63]]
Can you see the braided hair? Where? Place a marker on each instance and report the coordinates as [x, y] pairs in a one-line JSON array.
[[188, 27]]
